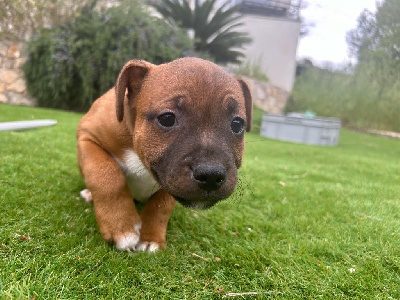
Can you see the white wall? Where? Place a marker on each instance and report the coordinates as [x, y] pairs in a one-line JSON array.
[[274, 47], [274, 44]]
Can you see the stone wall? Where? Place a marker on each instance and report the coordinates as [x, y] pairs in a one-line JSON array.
[[267, 96], [12, 83]]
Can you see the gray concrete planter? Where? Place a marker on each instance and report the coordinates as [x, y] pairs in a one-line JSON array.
[[298, 129]]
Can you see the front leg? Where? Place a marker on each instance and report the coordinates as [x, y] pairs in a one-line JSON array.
[[155, 216], [115, 211]]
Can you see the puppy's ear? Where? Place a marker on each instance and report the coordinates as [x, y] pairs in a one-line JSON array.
[[248, 103], [131, 77]]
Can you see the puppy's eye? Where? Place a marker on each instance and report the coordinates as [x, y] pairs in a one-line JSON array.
[[237, 125], [167, 119]]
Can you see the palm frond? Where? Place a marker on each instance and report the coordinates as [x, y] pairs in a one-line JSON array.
[[178, 12], [223, 17], [214, 27]]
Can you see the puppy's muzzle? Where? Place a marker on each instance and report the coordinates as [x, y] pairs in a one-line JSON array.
[[209, 176]]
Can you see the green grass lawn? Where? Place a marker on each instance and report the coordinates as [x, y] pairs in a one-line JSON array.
[[305, 222]]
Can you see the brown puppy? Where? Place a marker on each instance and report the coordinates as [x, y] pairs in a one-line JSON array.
[[165, 133]]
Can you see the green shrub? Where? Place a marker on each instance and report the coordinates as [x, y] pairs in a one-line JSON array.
[[251, 69], [69, 66], [360, 99]]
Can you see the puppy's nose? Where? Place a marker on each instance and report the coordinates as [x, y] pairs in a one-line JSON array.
[[209, 177]]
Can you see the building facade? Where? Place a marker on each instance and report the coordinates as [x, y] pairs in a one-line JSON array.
[[274, 27]]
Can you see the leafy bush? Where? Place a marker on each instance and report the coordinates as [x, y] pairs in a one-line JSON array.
[[71, 65], [358, 98], [251, 69]]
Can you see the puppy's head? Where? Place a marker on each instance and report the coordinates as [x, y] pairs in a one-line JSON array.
[[187, 119]]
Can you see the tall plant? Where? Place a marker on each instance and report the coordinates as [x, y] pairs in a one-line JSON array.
[[375, 42], [214, 27]]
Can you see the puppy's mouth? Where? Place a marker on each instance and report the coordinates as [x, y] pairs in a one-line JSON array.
[[192, 196], [193, 204]]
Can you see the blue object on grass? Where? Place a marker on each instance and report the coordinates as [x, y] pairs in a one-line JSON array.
[[309, 114]]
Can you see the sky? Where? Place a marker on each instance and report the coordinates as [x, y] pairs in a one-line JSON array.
[[326, 40]]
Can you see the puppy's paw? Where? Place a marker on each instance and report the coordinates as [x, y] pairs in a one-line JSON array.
[[148, 246], [127, 242], [86, 196]]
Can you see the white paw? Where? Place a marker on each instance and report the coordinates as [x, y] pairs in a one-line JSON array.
[[127, 242], [86, 196], [148, 246]]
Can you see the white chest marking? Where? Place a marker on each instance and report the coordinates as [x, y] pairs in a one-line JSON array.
[[139, 180]]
